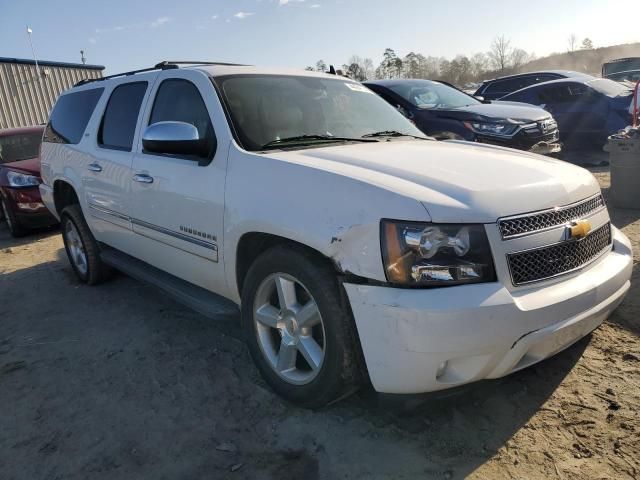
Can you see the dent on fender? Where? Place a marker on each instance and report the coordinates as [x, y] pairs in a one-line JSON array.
[[355, 249]]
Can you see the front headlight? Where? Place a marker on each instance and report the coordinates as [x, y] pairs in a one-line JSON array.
[[22, 180], [427, 254], [504, 129]]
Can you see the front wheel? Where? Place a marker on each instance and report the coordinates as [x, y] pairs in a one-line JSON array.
[[300, 335]]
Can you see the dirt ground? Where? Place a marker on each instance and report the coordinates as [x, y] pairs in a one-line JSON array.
[[117, 381]]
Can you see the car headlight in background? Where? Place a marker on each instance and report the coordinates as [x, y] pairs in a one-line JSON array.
[[22, 180], [427, 254], [504, 129]]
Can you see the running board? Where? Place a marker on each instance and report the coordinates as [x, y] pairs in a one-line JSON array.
[[202, 301]]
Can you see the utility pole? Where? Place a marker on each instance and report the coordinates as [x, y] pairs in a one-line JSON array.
[[29, 32]]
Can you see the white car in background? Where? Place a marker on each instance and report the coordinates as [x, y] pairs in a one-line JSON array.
[[352, 244]]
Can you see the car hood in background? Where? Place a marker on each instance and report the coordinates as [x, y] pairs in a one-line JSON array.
[[456, 181], [492, 112], [30, 166]]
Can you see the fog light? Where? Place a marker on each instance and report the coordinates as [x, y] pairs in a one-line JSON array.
[[30, 206], [441, 368]]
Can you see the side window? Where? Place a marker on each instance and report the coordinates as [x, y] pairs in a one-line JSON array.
[[547, 77], [564, 93], [524, 97], [495, 87], [180, 101], [121, 116], [506, 86], [70, 116], [525, 82]]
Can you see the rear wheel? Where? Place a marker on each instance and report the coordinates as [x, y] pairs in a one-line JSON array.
[[300, 334], [82, 249], [15, 228]]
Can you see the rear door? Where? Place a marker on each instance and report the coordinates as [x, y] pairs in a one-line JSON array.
[[178, 201], [107, 173]]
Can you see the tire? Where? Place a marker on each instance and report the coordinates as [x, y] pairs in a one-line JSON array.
[[82, 249], [338, 372], [15, 228]]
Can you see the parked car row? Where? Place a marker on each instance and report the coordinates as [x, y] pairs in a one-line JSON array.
[[444, 112], [358, 248]]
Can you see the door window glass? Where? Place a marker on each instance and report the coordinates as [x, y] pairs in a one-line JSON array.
[[121, 116], [179, 100]]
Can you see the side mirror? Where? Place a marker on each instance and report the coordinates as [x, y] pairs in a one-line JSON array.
[[175, 138], [480, 98]]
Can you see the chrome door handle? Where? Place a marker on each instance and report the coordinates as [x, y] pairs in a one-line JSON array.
[[94, 167], [143, 178]]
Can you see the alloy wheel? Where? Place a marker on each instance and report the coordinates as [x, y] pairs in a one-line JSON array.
[[289, 328]]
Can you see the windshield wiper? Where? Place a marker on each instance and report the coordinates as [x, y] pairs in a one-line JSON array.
[[300, 139], [391, 133]]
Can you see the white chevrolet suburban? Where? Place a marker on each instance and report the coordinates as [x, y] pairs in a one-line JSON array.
[[356, 247]]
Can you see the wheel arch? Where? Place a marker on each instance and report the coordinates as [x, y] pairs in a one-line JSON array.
[[252, 244], [64, 194]]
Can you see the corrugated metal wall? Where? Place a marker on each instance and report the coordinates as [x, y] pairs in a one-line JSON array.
[[26, 101]]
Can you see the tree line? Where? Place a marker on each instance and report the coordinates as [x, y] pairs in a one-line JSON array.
[[501, 59]]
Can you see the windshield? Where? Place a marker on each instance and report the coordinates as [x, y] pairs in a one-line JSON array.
[[19, 147], [609, 87], [427, 94], [268, 108]]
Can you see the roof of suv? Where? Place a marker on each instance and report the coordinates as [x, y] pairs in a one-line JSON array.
[[215, 70], [224, 70]]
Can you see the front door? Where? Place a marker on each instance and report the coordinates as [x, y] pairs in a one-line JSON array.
[[178, 201]]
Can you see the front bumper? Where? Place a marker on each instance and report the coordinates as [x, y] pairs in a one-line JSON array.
[[418, 341]]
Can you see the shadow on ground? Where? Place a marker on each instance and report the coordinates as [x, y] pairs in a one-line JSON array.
[[119, 381]]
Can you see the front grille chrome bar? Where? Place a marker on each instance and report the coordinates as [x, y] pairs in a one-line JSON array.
[[525, 224]]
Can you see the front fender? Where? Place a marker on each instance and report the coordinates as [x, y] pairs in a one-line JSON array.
[[333, 214]]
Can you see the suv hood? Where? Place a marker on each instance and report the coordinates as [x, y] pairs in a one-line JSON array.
[[455, 181], [492, 112], [30, 166]]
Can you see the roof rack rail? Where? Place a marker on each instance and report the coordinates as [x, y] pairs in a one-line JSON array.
[[159, 66], [164, 65], [196, 62]]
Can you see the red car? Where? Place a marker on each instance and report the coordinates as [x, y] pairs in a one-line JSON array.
[[22, 207]]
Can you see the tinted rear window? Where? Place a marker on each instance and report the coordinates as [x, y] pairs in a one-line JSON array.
[[121, 116], [70, 116], [19, 147]]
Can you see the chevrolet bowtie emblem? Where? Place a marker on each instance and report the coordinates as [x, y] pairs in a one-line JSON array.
[[577, 230]]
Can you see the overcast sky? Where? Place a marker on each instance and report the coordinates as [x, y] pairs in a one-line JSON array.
[[128, 34]]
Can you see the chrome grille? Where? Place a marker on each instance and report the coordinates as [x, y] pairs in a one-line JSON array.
[[523, 224], [553, 260]]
